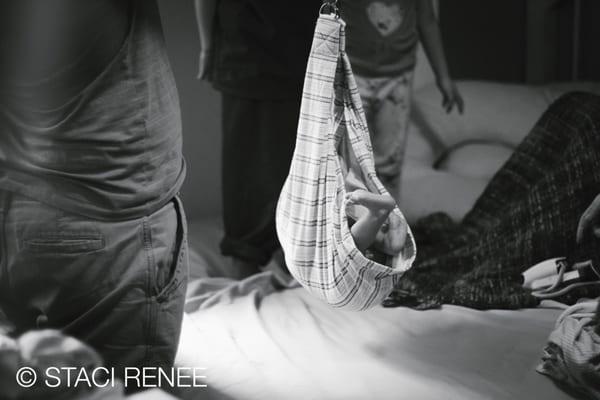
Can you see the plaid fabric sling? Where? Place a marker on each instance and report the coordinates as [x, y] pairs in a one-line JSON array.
[[332, 147]]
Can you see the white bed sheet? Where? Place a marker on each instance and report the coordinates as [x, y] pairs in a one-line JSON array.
[[258, 343], [261, 344]]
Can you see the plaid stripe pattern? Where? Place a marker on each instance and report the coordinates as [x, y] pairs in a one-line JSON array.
[[529, 212], [312, 224]]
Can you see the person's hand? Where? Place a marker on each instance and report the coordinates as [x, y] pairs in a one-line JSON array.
[[451, 96], [590, 221], [204, 61]]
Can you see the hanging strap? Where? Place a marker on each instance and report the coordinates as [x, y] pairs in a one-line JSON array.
[[330, 7]]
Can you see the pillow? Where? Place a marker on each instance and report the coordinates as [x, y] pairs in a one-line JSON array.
[[493, 111], [478, 160], [451, 157], [427, 190], [553, 91]]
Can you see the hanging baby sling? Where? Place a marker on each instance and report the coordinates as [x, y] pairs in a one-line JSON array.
[[333, 155]]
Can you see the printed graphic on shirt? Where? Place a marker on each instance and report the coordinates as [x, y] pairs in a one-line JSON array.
[[386, 18]]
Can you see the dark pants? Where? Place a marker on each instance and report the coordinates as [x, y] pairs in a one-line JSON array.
[[118, 286], [528, 213], [258, 143]]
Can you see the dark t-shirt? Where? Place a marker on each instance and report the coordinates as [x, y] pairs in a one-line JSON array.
[[93, 126], [262, 46], [381, 35]]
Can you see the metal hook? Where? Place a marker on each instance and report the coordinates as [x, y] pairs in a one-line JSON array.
[[330, 7]]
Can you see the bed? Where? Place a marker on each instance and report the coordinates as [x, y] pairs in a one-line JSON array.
[[266, 338]]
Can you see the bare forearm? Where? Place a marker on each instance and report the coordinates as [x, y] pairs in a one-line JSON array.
[[432, 44], [431, 38], [205, 17]]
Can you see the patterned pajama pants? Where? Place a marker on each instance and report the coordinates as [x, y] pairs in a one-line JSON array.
[[528, 213], [386, 101]]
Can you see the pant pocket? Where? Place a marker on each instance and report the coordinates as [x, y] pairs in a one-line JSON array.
[[167, 249], [56, 244], [67, 259]]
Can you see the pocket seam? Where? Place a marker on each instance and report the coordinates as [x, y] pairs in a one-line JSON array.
[[177, 278], [64, 243]]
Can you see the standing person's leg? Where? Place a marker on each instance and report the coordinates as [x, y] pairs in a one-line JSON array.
[[367, 87], [258, 143], [391, 125], [387, 104], [554, 175], [118, 286]]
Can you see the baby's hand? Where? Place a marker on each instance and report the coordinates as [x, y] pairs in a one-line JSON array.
[[451, 96]]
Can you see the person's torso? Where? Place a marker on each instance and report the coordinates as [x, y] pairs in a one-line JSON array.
[[55, 48], [89, 117], [381, 35], [263, 45]]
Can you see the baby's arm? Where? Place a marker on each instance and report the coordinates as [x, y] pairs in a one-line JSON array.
[[431, 39], [367, 231], [205, 17]]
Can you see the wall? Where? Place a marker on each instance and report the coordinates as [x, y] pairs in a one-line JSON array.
[[532, 41], [200, 108], [589, 56], [485, 39]]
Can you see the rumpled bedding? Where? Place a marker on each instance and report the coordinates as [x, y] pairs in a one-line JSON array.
[[43, 349], [258, 341], [572, 356]]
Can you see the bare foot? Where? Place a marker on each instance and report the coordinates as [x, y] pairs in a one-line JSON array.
[[392, 240], [368, 226], [375, 203]]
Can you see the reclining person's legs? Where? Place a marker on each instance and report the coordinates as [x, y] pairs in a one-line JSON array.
[[528, 213], [564, 125]]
